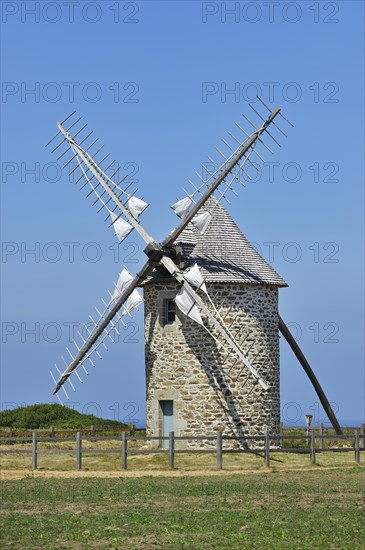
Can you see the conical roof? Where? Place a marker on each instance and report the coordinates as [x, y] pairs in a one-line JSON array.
[[223, 253]]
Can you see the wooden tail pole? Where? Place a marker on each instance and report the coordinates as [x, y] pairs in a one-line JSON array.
[[312, 377]]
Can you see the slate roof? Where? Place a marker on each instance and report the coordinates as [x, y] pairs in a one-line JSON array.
[[223, 253]]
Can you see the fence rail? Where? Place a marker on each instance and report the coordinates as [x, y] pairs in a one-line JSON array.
[[10, 432], [357, 440]]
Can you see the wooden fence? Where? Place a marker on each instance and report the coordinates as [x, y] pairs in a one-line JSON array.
[[264, 450], [10, 432]]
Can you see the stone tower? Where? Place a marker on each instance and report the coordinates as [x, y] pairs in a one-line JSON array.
[[193, 386]]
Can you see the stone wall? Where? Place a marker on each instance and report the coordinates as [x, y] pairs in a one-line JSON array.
[[212, 390]]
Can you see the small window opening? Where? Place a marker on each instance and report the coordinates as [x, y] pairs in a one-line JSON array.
[[169, 313]]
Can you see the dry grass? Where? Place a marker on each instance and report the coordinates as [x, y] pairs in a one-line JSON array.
[[140, 464]]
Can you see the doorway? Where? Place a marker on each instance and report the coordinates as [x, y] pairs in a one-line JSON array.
[[167, 409]]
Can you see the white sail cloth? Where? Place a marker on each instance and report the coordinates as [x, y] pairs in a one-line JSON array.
[[181, 207], [186, 303], [121, 227], [201, 222], [136, 206], [134, 300], [195, 278], [124, 280]]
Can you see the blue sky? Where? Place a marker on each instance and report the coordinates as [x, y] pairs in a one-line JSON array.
[[153, 80]]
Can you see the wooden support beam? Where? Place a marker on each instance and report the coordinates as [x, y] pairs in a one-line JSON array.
[[312, 377]]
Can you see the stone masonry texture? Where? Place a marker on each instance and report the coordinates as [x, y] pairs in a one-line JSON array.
[[211, 389]]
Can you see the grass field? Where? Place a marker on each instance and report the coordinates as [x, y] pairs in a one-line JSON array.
[[292, 504], [314, 508]]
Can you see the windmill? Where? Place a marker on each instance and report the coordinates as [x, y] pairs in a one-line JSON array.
[[211, 316]]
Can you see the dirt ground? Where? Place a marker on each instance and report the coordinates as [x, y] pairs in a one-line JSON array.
[[6, 475]]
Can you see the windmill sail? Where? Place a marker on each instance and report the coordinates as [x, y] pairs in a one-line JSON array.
[[222, 178], [123, 209], [181, 207], [186, 303], [105, 325], [121, 227], [136, 206], [124, 280], [195, 278], [103, 186], [201, 221]]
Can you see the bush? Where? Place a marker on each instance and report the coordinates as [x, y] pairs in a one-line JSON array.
[[43, 416]]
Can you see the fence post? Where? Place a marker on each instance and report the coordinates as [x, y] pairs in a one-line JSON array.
[[132, 430], [362, 432], [171, 450], [78, 451], [124, 450], [321, 433], [34, 450], [357, 445], [313, 447], [267, 448], [219, 450], [10, 430], [281, 433], [52, 431]]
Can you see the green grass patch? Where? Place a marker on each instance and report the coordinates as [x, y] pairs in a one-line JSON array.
[[42, 416], [303, 443], [311, 509]]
